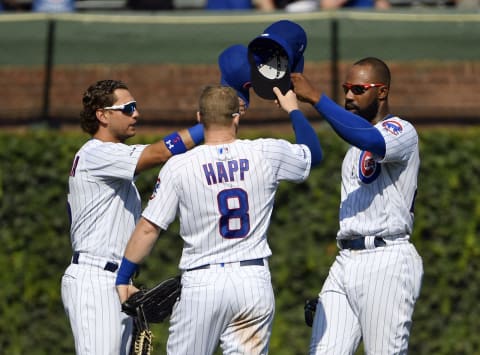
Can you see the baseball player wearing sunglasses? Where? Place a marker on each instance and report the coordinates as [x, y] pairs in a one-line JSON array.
[[103, 206], [374, 283]]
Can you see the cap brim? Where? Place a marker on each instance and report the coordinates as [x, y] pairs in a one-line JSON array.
[[235, 70], [245, 96], [243, 93], [269, 66]]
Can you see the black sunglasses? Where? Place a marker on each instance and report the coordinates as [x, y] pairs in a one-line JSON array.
[[358, 89], [129, 108]]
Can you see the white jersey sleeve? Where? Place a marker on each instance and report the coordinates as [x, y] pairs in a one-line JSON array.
[[284, 157], [113, 160], [224, 197], [378, 194], [103, 201], [164, 193], [401, 139]]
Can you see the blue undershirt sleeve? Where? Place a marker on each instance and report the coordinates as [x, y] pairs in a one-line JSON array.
[[352, 128], [196, 132], [305, 134]]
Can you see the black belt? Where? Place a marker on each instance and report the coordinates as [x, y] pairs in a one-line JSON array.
[[359, 243], [109, 265], [258, 262]]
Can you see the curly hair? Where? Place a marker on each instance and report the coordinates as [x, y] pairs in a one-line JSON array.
[[98, 95]]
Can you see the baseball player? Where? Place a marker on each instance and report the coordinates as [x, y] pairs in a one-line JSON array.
[[104, 205], [223, 192], [373, 284]]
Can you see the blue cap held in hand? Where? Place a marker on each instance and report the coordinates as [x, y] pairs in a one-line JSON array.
[[273, 55], [235, 70]]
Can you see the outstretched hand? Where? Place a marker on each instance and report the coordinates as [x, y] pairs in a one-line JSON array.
[[125, 291], [304, 89], [288, 101]]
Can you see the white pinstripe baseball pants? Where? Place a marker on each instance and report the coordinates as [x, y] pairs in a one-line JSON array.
[[369, 294], [231, 305]]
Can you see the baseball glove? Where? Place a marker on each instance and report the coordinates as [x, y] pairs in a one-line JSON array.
[[309, 309], [150, 306], [142, 336]]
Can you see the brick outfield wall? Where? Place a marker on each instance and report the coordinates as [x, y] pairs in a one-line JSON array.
[[422, 92]]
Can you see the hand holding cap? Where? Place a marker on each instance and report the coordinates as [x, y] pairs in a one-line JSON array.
[[288, 101]]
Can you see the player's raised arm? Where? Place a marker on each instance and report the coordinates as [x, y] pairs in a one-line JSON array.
[[175, 143], [304, 132], [350, 127]]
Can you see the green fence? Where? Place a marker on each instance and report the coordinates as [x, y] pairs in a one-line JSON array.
[[40, 44], [197, 38]]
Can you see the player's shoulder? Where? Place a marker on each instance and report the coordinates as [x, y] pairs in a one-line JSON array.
[[91, 144], [396, 126], [98, 153], [98, 145], [264, 143]]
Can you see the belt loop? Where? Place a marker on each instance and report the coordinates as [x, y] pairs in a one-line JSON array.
[[111, 266], [370, 242]]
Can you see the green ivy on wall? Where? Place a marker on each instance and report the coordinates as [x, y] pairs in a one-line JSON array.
[[34, 235]]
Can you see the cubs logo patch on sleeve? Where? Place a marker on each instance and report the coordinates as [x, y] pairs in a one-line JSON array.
[[154, 193], [392, 127], [368, 168]]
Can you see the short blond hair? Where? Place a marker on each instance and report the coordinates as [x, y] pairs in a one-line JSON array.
[[218, 105]]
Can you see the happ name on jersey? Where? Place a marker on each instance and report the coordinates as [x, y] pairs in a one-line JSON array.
[[216, 173]]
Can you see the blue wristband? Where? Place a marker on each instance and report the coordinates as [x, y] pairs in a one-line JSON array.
[[125, 272], [175, 143], [196, 132]]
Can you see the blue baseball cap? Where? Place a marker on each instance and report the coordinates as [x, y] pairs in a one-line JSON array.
[[235, 70], [273, 55]]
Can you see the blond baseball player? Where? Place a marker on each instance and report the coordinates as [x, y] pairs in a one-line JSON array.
[[104, 206], [375, 280], [223, 192]]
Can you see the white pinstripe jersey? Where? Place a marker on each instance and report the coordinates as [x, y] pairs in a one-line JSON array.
[[224, 195], [103, 200], [378, 194]]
